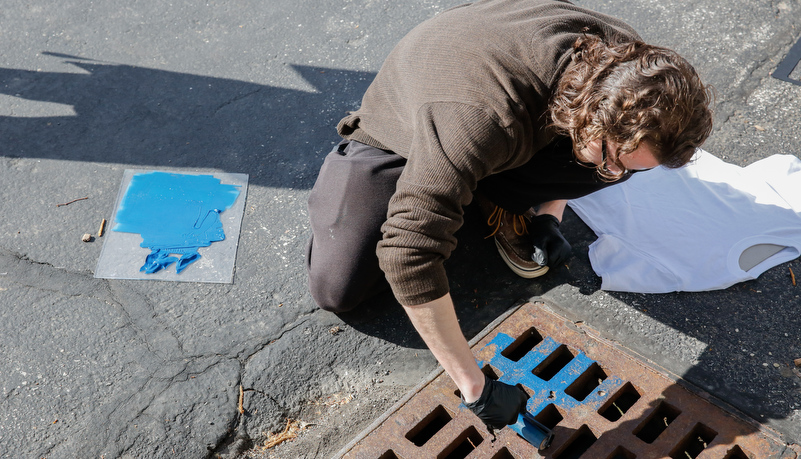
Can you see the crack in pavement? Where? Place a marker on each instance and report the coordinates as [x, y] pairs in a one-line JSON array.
[[142, 316], [235, 99], [159, 367], [143, 321], [300, 320]]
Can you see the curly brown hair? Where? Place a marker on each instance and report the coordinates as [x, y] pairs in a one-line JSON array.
[[632, 92]]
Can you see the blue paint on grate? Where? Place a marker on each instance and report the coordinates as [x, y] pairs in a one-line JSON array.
[[551, 391]]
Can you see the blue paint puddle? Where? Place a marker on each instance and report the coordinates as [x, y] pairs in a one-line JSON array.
[[175, 214]]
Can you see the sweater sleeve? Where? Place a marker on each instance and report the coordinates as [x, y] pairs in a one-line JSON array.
[[454, 145]]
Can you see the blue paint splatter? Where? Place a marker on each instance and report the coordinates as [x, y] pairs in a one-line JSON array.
[[175, 214], [552, 391]]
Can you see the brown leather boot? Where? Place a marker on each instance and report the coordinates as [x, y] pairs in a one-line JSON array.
[[510, 233]]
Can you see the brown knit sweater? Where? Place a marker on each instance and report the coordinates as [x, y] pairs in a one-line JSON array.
[[462, 96]]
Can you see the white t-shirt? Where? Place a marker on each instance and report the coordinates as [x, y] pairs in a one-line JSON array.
[[687, 229]]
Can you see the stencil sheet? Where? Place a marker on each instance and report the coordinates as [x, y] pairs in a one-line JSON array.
[[123, 256]]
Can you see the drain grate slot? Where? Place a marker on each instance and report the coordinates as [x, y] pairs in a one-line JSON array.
[[657, 422], [692, 445], [464, 445], [622, 453], [490, 372], [429, 426], [587, 382], [620, 403], [549, 416], [389, 455], [522, 345], [503, 454], [578, 445], [737, 453], [554, 363], [525, 389]]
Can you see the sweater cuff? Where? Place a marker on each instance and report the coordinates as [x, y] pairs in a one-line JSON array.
[[416, 283]]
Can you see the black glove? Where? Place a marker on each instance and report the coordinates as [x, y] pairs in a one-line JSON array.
[[499, 404], [550, 247]]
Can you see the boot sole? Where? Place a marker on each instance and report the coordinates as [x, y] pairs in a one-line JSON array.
[[526, 273]]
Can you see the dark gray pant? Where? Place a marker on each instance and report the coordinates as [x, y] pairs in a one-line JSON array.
[[347, 207]]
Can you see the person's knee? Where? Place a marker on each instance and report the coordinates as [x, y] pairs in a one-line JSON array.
[[336, 308], [328, 288], [340, 284], [334, 298]]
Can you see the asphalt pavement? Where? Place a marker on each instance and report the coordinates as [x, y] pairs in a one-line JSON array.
[[145, 369]]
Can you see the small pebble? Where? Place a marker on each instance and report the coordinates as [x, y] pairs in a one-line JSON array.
[[87, 237]]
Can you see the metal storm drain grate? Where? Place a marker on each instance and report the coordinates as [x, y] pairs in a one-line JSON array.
[[599, 400]]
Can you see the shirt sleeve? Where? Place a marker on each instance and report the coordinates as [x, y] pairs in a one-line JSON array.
[[453, 147]]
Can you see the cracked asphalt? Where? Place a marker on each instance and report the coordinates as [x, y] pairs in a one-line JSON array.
[[141, 369]]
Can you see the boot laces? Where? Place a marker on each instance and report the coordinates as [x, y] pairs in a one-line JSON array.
[[496, 220]]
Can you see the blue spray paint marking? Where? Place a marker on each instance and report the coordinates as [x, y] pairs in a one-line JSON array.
[[175, 214], [552, 391]]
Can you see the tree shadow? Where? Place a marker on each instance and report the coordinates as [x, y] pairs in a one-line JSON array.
[[150, 118]]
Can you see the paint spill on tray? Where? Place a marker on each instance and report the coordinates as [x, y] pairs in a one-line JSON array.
[[174, 215]]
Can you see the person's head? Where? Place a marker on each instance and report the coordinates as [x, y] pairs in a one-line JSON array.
[[633, 96]]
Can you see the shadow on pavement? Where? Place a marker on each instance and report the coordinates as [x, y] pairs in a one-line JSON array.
[[153, 118], [384, 318]]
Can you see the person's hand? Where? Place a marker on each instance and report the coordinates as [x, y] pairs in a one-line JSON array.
[[499, 404], [550, 247]]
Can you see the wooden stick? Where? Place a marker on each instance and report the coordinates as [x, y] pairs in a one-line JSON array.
[[102, 227], [792, 276], [241, 400], [74, 200]]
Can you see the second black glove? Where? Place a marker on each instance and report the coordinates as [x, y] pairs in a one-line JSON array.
[[550, 247]]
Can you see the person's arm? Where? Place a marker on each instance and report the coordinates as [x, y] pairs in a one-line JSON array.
[[453, 148], [436, 323], [555, 208], [497, 404], [455, 145]]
